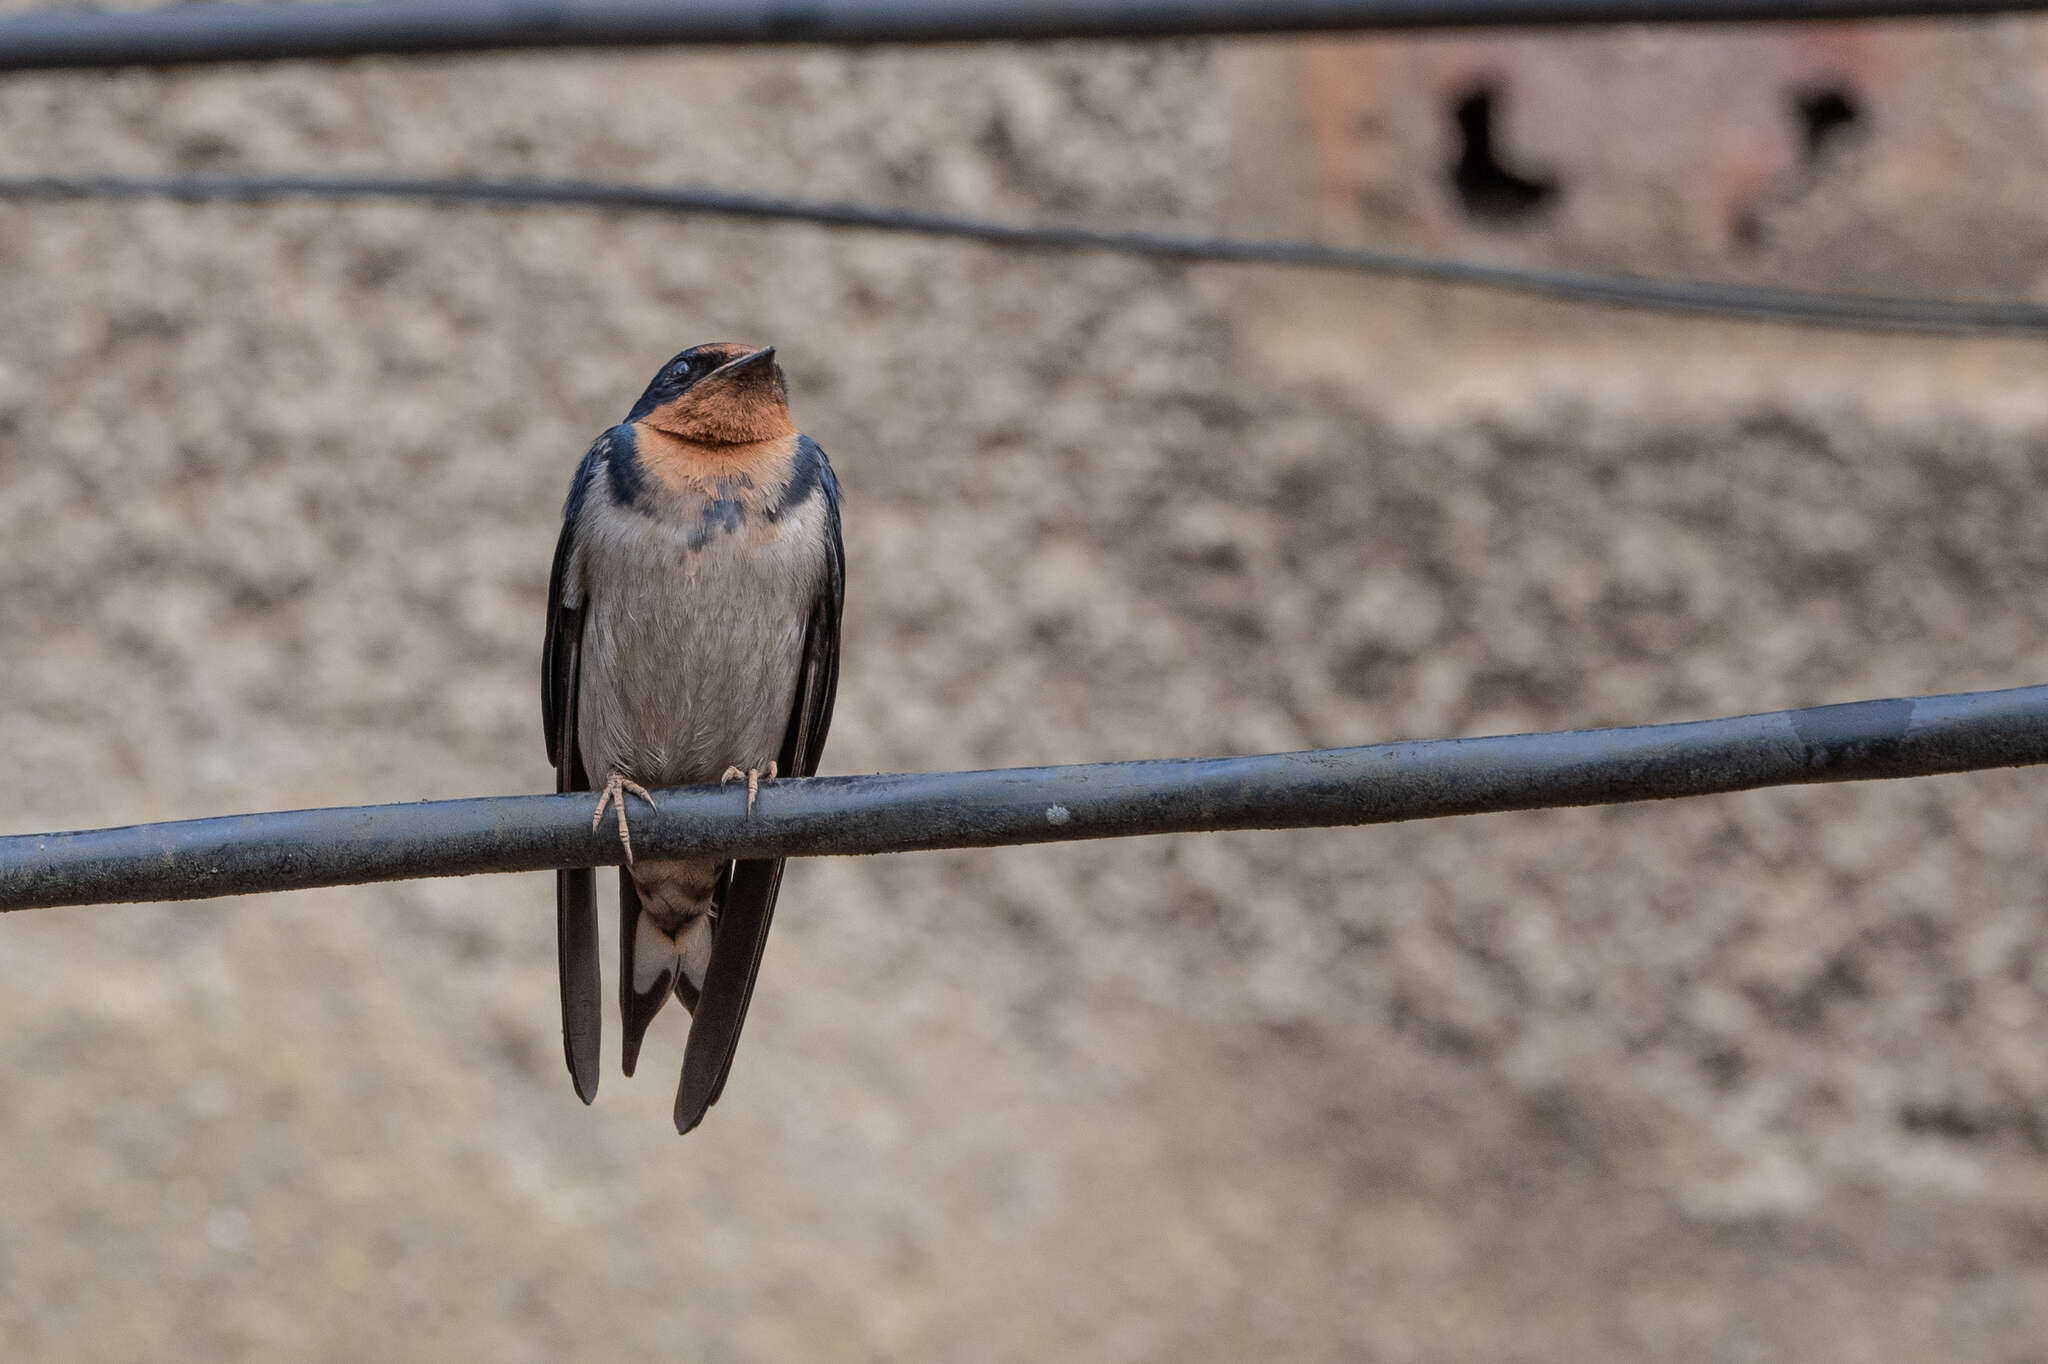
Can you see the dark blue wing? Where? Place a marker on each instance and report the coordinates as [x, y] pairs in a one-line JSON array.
[[575, 888]]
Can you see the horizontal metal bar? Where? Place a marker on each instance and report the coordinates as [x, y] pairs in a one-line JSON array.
[[181, 34], [1692, 297], [1378, 784]]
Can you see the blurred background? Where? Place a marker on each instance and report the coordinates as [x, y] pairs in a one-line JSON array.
[[1753, 1077]]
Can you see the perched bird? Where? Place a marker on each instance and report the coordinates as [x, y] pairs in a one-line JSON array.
[[692, 636]]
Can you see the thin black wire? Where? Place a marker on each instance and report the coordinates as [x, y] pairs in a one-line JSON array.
[[242, 854], [179, 34], [1696, 297]]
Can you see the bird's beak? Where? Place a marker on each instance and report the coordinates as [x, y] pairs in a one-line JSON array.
[[733, 368], [754, 377]]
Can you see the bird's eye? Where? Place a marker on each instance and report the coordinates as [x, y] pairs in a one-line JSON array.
[[684, 368]]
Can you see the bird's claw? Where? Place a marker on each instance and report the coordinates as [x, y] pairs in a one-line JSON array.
[[614, 794], [755, 776]]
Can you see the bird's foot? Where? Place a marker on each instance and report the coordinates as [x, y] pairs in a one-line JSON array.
[[755, 776], [614, 794]]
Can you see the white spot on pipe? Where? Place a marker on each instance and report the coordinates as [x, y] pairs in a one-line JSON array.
[[1057, 814]]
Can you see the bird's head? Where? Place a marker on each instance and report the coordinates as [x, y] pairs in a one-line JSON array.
[[718, 393]]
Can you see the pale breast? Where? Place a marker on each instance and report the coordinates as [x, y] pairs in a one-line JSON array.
[[693, 636]]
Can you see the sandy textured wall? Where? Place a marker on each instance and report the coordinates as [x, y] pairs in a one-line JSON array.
[[1755, 1077]]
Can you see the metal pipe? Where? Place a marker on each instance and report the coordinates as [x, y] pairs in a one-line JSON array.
[[1377, 784], [182, 34]]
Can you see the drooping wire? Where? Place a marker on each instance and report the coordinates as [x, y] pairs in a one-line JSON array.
[[170, 35], [1696, 297]]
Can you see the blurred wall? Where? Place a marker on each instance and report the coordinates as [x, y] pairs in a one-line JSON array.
[[1750, 1077]]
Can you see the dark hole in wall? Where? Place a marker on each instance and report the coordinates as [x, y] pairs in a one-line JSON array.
[[1827, 113], [1486, 186], [1827, 116]]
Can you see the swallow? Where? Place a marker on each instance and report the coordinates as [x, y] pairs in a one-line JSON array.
[[692, 636]]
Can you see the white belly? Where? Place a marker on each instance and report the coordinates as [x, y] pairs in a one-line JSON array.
[[690, 656]]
